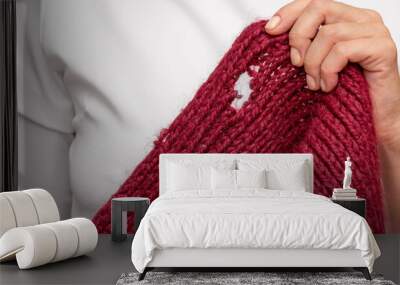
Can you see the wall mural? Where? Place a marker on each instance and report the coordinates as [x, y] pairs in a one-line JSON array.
[[280, 116]]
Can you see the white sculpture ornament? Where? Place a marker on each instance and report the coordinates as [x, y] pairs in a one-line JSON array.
[[347, 174]]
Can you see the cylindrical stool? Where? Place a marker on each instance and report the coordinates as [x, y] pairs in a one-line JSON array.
[[119, 209]]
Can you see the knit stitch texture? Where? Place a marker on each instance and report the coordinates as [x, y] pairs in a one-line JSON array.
[[281, 116]]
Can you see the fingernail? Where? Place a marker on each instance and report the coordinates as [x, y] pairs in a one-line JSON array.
[[295, 56], [311, 82], [273, 22], [323, 85]]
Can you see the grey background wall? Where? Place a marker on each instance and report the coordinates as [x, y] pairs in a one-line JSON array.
[[42, 148]]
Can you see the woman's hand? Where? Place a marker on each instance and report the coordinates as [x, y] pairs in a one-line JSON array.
[[324, 36]]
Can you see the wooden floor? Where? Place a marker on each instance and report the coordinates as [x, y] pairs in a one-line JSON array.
[[110, 260]]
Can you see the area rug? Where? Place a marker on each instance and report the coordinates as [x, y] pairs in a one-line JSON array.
[[243, 278]]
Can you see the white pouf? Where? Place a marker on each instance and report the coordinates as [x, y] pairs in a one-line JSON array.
[[31, 232], [40, 244]]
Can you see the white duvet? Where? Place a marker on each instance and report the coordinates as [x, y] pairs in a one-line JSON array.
[[251, 218]]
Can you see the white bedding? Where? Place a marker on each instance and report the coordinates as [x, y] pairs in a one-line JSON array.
[[251, 218]]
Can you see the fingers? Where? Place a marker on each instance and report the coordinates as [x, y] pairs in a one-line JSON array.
[[365, 51], [326, 38], [285, 17], [336, 60], [317, 27], [318, 12], [330, 11]]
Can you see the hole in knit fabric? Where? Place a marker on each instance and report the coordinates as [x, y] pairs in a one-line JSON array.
[[242, 87]]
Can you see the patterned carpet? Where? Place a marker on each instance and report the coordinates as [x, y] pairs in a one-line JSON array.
[[243, 278]]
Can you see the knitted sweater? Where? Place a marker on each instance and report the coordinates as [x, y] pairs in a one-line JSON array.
[[280, 116]]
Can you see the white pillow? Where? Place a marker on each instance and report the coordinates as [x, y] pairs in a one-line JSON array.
[[188, 174], [289, 179], [288, 174], [228, 179], [186, 177], [223, 179], [251, 178]]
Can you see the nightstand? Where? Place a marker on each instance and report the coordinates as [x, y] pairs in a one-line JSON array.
[[119, 209], [357, 205]]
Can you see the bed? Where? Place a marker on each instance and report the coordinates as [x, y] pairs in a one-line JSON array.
[[238, 222]]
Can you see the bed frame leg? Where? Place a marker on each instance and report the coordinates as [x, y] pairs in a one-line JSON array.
[[143, 274], [364, 271]]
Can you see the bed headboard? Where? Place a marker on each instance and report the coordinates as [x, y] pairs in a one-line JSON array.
[[210, 157]]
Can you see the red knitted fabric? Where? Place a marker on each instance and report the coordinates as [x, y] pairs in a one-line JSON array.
[[280, 116]]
